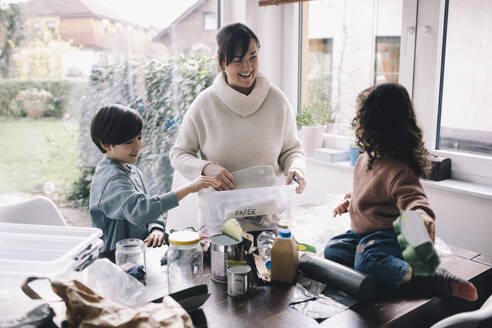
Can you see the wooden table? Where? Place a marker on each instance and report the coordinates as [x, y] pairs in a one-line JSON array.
[[267, 306]]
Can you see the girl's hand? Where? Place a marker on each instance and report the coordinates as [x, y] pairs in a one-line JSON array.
[[155, 238], [224, 177], [343, 207], [298, 177], [204, 182], [430, 225]]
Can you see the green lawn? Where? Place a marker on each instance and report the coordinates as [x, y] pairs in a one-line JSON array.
[[33, 152]]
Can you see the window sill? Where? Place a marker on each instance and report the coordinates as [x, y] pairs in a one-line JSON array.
[[462, 187], [342, 164], [451, 185]]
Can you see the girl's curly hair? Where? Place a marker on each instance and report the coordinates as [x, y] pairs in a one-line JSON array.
[[385, 126]]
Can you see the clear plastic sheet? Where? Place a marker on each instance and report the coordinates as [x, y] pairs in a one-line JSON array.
[[309, 298], [316, 225], [322, 308]]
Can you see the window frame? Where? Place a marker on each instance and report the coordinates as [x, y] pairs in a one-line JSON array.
[[407, 53], [431, 33]]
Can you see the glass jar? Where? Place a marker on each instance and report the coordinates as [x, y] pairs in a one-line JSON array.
[[184, 260], [130, 256]]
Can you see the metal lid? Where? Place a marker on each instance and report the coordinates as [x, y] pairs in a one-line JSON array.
[[224, 240], [239, 269], [184, 238]]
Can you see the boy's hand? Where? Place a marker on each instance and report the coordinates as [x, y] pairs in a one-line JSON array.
[[204, 182], [155, 238], [343, 207]]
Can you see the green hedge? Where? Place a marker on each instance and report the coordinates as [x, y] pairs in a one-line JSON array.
[[161, 90], [59, 89]]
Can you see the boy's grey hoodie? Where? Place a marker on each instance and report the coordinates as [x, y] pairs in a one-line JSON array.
[[121, 207]]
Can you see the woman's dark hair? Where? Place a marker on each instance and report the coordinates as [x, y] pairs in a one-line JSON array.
[[232, 37], [385, 126], [114, 124]]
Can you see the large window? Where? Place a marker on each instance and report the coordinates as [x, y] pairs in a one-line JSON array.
[[465, 122], [352, 45], [63, 62]]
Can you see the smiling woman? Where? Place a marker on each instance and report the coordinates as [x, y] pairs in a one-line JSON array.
[[255, 117]]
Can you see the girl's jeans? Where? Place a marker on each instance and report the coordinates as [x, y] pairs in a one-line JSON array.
[[376, 253]]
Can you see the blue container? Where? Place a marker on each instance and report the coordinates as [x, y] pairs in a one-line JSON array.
[[354, 153]]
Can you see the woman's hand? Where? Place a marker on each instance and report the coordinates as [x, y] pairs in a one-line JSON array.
[[298, 177], [224, 177], [343, 207], [204, 182], [155, 238]]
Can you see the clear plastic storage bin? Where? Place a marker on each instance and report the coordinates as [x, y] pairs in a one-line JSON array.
[[42, 250], [255, 208]]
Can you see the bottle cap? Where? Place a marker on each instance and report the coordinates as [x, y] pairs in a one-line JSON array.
[[284, 233], [183, 238], [268, 263]]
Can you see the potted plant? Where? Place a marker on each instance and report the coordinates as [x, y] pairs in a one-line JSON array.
[[311, 133], [315, 115]]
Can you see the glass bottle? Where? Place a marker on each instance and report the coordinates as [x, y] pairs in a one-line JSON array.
[[184, 260]]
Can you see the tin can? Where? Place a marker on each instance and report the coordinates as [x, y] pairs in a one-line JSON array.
[[223, 248], [238, 281]]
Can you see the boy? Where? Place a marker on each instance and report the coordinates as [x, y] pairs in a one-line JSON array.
[[119, 202]]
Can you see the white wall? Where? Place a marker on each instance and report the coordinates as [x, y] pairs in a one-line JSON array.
[[277, 29]]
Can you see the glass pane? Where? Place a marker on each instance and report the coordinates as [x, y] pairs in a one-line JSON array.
[[60, 61], [352, 45], [387, 59], [466, 123]]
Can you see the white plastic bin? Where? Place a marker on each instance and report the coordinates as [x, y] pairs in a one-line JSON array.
[[255, 208], [28, 249]]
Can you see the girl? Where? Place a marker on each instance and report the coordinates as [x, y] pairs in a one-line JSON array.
[[386, 181]]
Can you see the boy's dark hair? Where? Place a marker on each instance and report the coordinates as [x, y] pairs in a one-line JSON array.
[[230, 38], [385, 125], [114, 124]]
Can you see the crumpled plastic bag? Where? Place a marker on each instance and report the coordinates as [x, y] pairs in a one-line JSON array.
[[112, 283], [87, 309], [309, 298], [316, 225]]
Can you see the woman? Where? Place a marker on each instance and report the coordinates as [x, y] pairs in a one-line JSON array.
[[240, 121]]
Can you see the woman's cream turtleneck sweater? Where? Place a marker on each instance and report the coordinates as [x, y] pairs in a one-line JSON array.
[[236, 131]]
